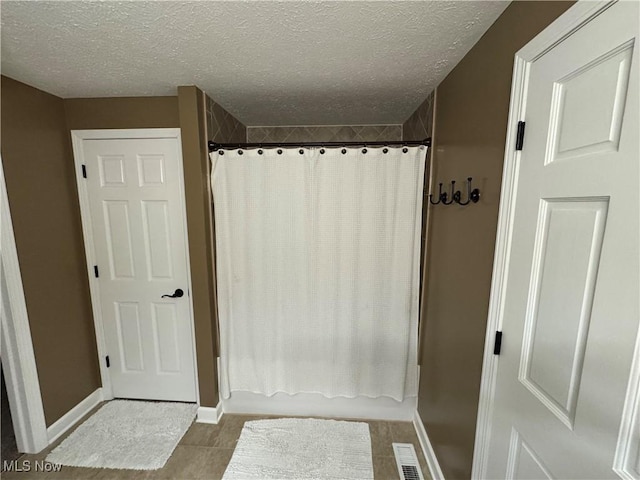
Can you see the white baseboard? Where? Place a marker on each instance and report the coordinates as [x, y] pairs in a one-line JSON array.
[[316, 405], [427, 448], [209, 414], [73, 416]]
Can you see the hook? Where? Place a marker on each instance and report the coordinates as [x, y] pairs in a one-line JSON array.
[[439, 196], [453, 195], [472, 195]]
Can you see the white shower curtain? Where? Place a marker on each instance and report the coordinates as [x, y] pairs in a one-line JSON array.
[[318, 270]]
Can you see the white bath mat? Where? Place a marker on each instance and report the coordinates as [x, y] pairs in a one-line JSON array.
[[296, 448], [126, 434]]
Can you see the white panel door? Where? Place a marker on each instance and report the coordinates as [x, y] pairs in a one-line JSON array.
[[138, 224], [571, 312]]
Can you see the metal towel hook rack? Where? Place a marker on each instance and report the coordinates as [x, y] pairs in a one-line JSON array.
[[473, 195], [452, 196], [440, 194]]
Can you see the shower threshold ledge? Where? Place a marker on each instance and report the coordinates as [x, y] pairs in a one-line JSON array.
[[317, 405]]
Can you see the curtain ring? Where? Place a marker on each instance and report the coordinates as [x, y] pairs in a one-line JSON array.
[[385, 150], [322, 151], [221, 152], [279, 152], [405, 150], [240, 152], [364, 150], [260, 151], [344, 150], [301, 151]]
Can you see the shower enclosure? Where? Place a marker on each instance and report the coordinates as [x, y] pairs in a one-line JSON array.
[[318, 254]]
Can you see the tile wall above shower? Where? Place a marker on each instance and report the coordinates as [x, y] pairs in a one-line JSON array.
[[222, 126], [420, 124], [332, 133]]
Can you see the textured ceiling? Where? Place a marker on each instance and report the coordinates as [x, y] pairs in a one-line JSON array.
[[268, 63]]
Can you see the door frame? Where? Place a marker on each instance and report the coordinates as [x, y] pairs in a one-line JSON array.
[[77, 138], [574, 18], [18, 357]]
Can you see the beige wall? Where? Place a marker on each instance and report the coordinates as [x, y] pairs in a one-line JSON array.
[[194, 152], [201, 119], [122, 112], [187, 112], [42, 191], [469, 135], [43, 197]]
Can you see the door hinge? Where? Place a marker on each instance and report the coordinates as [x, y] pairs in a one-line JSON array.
[[520, 135], [108, 361], [497, 346], [95, 271], [84, 171]]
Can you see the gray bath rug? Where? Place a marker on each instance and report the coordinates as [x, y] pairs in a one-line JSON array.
[[302, 448], [126, 434]]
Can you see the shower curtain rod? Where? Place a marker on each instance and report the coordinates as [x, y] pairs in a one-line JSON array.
[[213, 146]]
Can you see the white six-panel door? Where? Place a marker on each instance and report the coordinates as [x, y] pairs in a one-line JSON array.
[[571, 307], [137, 220]]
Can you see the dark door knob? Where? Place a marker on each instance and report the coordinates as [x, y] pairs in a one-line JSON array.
[[177, 294]]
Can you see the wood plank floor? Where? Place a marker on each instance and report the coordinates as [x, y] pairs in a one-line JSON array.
[[205, 451]]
